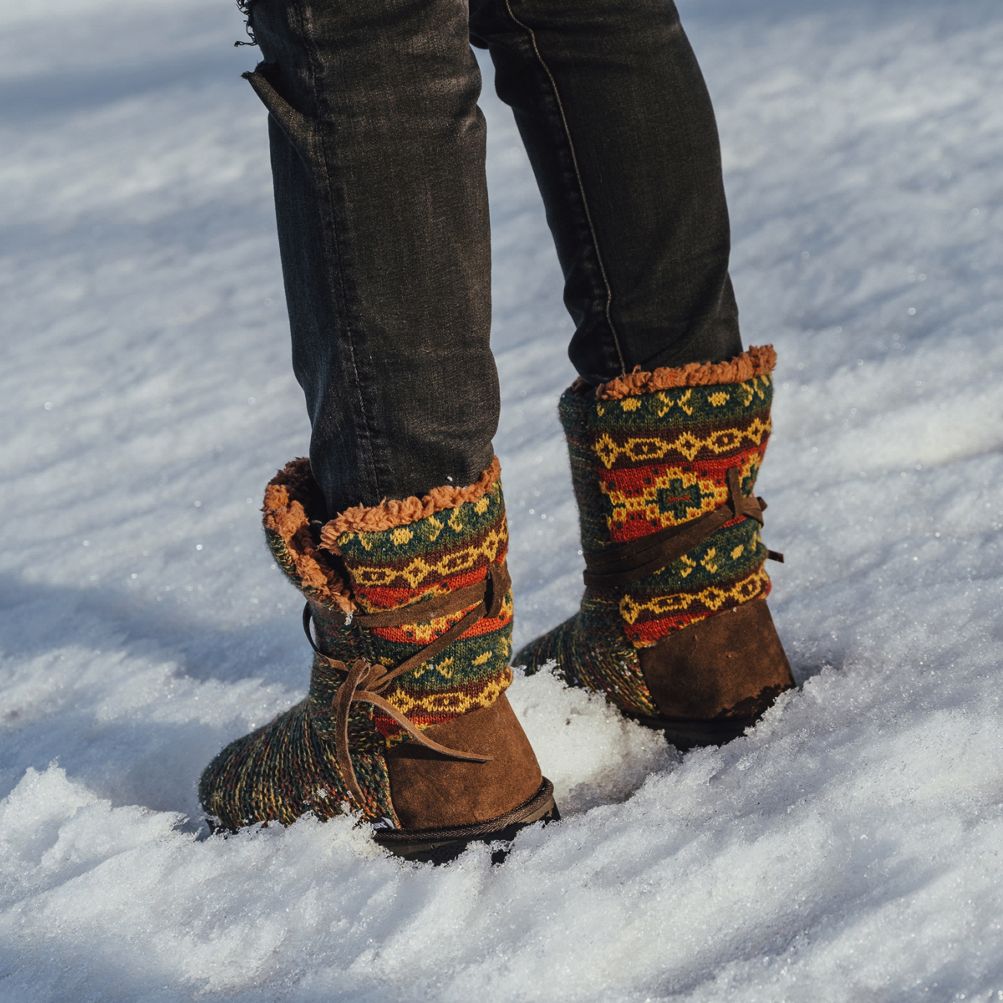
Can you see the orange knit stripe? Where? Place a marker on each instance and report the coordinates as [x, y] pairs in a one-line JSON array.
[[393, 512], [757, 361], [290, 494]]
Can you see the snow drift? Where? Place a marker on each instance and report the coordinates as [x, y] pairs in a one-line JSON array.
[[847, 849]]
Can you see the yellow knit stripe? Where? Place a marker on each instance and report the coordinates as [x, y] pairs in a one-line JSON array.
[[713, 598], [424, 567], [648, 448], [454, 702]]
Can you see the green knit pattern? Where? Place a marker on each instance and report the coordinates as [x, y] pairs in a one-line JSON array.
[[435, 555]]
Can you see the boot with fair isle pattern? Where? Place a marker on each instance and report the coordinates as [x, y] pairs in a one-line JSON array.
[[673, 627], [409, 612]]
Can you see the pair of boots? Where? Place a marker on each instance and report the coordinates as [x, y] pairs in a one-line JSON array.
[[409, 612]]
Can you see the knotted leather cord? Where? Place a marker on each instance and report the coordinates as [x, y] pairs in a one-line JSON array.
[[365, 680], [623, 563]]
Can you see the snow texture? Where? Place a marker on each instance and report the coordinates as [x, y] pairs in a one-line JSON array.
[[847, 849]]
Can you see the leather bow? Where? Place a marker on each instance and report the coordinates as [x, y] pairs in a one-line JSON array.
[[365, 681]]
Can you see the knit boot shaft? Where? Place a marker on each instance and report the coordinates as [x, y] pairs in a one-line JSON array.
[[664, 466], [652, 451], [402, 553]]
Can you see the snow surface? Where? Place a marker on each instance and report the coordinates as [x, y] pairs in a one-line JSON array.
[[847, 849]]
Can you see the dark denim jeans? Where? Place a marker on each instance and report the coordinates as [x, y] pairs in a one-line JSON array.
[[378, 160]]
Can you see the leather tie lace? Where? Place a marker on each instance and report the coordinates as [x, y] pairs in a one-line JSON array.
[[365, 681]]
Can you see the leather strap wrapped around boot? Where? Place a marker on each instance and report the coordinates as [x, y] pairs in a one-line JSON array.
[[365, 681], [619, 564]]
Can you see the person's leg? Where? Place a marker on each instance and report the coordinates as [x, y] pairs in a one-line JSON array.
[[620, 130], [669, 424], [378, 149], [395, 530]]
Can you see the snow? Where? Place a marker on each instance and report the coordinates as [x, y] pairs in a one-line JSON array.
[[847, 849]]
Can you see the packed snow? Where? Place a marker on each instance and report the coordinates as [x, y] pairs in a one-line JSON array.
[[849, 848]]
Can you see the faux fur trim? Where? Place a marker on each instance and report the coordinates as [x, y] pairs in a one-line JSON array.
[[756, 361], [291, 495], [393, 512]]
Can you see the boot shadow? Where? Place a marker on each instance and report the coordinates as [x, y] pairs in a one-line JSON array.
[[45, 616], [132, 759]]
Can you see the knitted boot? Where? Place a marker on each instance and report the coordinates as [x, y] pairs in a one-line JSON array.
[[406, 720], [673, 627]]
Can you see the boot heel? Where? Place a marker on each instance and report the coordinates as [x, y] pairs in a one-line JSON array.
[[439, 846]]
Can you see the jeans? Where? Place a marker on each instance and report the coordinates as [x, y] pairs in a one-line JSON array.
[[378, 162]]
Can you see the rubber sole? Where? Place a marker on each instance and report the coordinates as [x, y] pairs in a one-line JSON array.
[[688, 733], [439, 846]]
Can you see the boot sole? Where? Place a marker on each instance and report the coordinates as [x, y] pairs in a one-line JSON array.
[[686, 733], [439, 846]]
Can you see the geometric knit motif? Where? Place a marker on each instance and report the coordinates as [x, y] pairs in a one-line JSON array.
[[435, 555], [288, 767], [647, 453]]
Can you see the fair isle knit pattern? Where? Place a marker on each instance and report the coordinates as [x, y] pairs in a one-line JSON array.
[[650, 451], [408, 551], [403, 564]]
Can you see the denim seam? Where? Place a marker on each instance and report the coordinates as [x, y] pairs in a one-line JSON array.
[[578, 177], [331, 236]]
